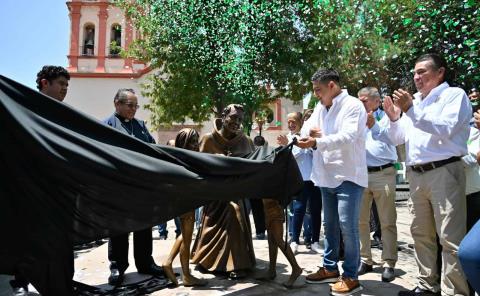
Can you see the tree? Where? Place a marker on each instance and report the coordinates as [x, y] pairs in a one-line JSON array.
[[376, 42], [210, 53]]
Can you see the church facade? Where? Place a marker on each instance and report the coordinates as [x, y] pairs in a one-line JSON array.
[[98, 32]]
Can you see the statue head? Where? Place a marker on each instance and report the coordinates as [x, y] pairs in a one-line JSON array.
[[232, 118]]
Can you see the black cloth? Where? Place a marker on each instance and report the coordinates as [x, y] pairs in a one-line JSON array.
[[258, 216], [67, 179]]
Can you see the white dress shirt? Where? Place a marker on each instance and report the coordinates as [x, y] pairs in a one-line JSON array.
[[435, 128], [472, 169], [340, 155], [303, 157], [378, 152]]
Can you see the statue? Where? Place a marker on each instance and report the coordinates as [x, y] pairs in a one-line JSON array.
[[187, 138], [224, 242]]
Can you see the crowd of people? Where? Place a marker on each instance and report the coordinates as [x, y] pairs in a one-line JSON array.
[[346, 150]]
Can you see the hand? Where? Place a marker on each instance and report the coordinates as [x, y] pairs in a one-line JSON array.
[[402, 99], [476, 116], [392, 111], [308, 142], [370, 119], [478, 157], [282, 140], [315, 132]]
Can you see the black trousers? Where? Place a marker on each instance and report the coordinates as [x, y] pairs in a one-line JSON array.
[[142, 250], [258, 215]]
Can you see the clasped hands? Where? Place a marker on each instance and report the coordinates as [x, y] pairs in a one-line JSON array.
[[310, 141], [306, 142], [402, 101]]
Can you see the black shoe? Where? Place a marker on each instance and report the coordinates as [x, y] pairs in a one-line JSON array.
[[364, 268], [115, 278], [418, 292], [153, 269], [162, 237], [308, 245], [388, 274], [260, 236]]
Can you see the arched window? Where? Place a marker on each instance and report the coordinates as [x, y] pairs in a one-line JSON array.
[[115, 39], [89, 40]]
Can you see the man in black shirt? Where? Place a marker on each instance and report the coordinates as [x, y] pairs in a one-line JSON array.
[[126, 105]]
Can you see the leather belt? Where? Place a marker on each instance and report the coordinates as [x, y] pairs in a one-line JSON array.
[[421, 168], [379, 168]]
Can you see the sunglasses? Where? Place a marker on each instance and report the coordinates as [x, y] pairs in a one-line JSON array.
[[130, 105]]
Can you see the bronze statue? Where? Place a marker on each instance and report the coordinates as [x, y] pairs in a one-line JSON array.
[[274, 219], [187, 139], [224, 242]]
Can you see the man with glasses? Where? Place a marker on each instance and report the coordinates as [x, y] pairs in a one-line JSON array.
[[126, 105]]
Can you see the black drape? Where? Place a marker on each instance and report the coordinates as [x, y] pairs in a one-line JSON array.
[[67, 179]]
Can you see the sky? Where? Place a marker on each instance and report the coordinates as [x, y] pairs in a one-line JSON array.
[[33, 33]]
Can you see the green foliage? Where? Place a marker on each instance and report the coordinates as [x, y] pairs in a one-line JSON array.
[[214, 52]]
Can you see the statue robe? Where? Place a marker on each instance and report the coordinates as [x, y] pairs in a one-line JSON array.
[[224, 242]]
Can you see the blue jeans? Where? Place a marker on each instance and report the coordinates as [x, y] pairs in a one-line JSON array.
[[162, 228], [307, 229], [341, 209], [469, 256], [311, 194]]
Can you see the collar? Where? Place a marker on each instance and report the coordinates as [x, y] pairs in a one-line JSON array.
[[433, 93], [339, 98], [121, 118]]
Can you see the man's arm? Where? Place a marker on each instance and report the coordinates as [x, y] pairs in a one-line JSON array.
[[455, 113]]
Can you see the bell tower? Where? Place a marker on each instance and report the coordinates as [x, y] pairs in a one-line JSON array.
[[99, 31]]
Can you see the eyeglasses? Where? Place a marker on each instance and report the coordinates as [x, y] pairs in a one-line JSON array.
[[130, 105]]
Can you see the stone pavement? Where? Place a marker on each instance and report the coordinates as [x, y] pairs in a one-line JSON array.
[[91, 267]]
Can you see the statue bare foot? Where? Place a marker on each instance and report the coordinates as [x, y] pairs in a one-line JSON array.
[[296, 272], [167, 269], [191, 281]]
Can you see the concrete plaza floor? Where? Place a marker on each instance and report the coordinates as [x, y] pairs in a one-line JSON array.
[[91, 267]]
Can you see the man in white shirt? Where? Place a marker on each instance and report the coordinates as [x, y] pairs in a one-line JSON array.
[[336, 130], [381, 188], [435, 128]]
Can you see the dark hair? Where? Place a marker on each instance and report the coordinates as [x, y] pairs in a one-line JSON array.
[[184, 136], [229, 108], [120, 95], [326, 75], [438, 62], [306, 114], [51, 73], [472, 90]]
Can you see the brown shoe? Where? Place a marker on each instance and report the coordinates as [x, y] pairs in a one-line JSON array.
[[345, 286], [322, 276]]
